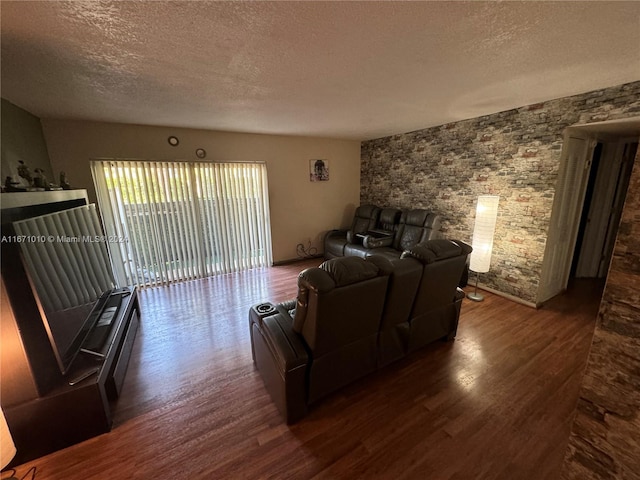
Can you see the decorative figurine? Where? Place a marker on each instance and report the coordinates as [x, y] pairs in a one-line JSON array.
[[63, 181], [25, 173], [12, 186], [39, 179]]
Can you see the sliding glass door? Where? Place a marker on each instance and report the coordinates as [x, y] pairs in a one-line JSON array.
[[173, 221]]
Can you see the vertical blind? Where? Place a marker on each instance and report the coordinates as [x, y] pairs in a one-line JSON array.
[[173, 221]]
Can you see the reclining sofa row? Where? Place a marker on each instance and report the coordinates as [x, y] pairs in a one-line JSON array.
[[352, 316], [382, 231]]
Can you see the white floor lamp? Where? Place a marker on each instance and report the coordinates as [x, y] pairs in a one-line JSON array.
[[7, 447], [482, 243]]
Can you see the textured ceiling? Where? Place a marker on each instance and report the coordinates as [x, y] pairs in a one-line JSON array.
[[356, 70]]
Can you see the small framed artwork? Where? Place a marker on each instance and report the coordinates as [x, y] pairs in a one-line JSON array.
[[319, 170]]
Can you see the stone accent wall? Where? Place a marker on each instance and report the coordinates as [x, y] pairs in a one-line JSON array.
[[605, 438], [514, 154]]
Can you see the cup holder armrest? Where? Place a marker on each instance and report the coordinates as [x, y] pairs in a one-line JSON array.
[[261, 311]]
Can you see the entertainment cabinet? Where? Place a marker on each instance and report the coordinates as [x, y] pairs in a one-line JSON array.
[[44, 411]]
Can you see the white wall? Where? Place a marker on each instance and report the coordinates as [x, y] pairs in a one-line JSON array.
[[300, 210]]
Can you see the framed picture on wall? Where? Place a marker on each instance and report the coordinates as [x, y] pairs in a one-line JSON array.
[[319, 170]]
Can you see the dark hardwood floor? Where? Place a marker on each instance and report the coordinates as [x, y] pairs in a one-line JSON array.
[[494, 404]]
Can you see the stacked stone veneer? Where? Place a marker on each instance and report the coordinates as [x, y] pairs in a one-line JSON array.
[[605, 439], [514, 154]]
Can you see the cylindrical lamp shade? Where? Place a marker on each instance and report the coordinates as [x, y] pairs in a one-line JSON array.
[[7, 448], [483, 230]]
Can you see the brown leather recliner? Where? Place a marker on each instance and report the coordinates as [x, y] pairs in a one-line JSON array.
[[353, 315], [331, 339], [338, 312], [414, 226], [436, 307], [423, 299], [364, 220], [404, 280]]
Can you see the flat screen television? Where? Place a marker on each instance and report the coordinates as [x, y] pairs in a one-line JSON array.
[[67, 262]]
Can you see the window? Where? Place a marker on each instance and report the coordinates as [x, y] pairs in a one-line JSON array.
[[173, 221]]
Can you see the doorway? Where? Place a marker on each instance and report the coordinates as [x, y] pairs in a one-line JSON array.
[[596, 163], [604, 200]]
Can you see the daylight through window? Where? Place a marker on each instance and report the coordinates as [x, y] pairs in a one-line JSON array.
[[173, 221]]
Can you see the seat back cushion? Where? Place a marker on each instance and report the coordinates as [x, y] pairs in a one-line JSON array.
[[410, 230], [365, 219], [416, 226], [444, 262], [432, 227], [339, 302], [388, 220]]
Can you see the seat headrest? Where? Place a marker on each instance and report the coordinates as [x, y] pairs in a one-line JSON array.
[[367, 211], [348, 270], [432, 221], [384, 264], [438, 249], [416, 217], [422, 218]]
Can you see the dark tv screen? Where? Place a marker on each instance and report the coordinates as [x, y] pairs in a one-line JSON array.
[[67, 261]]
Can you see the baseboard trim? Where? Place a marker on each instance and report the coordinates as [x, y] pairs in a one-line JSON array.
[[280, 263], [505, 295]]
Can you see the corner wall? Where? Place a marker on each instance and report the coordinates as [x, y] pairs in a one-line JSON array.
[[514, 154], [22, 139], [605, 438], [301, 211]]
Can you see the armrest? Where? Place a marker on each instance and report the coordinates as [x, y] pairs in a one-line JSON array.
[[457, 302], [356, 237], [260, 311], [282, 360], [288, 348], [377, 241], [336, 233]]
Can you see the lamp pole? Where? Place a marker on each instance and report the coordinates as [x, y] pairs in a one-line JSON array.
[[475, 296]]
